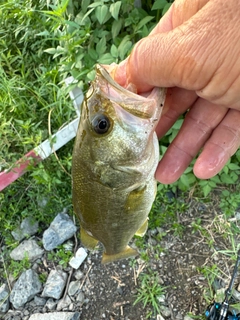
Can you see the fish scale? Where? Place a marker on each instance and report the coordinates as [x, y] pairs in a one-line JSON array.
[[115, 156]]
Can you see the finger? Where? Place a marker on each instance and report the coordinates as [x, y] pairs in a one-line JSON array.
[[196, 129], [196, 55], [176, 103], [222, 144], [119, 74], [179, 12]]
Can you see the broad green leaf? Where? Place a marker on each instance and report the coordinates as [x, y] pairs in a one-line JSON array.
[[234, 177], [114, 9], [225, 169], [96, 4], [43, 33], [85, 16], [51, 50], [216, 179], [101, 46], [91, 75], [107, 17], [225, 193], [72, 24], [233, 166], [203, 183], [212, 184], [206, 190], [238, 155], [101, 13], [106, 58], [163, 149], [191, 178], [189, 169], [93, 54], [145, 31], [177, 125], [225, 178], [116, 27], [84, 5], [184, 180], [159, 4], [124, 47], [173, 135], [167, 6], [114, 51], [143, 22]]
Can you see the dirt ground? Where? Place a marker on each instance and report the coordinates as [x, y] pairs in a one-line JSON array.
[[182, 255], [112, 288]]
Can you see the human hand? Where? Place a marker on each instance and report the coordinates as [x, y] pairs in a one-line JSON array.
[[195, 52]]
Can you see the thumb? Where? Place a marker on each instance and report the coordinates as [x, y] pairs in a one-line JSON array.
[[189, 55]]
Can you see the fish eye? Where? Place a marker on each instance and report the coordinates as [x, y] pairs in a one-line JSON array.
[[101, 123]]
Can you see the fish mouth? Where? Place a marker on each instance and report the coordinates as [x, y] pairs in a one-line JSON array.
[[144, 106]]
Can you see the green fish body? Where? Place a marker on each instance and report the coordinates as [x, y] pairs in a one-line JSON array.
[[115, 156]]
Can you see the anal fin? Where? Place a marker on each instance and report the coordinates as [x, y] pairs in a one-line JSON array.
[[143, 229]]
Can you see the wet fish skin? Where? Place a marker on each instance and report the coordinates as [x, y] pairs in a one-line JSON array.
[[114, 160]]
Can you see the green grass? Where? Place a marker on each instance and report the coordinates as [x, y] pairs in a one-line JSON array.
[[150, 291]]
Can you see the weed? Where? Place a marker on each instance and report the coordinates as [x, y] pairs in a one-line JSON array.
[[15, 268], [150, 291], [61, 255]]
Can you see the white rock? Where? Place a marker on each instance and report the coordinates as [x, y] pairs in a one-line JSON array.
[[80, 256]]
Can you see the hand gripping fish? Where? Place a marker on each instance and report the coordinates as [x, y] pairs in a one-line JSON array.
[[115, 156]]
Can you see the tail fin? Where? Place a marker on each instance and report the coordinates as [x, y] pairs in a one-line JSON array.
[[127, 253]]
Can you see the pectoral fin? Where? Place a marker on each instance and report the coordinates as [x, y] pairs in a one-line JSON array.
[[142, 230], [127, 253], [88, 241]]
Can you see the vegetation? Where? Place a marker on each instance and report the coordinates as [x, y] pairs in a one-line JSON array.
[[42, 43], [150, 291]]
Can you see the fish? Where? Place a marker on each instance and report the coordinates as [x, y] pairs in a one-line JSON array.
[[115, 155]]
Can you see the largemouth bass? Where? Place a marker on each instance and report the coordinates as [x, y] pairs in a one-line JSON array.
[[115, 156]]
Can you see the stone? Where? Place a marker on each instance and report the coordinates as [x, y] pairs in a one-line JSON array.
[[80, 297], [29, 248], [55, 284], [74, 286], [80, 256], [165, 311], [187, 318], [25, 288], [4, 298], [64, 303], [51, 304], [39, 301], [56, 316], [28, 227], [78, 274], [61, 229], [159, 317]]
